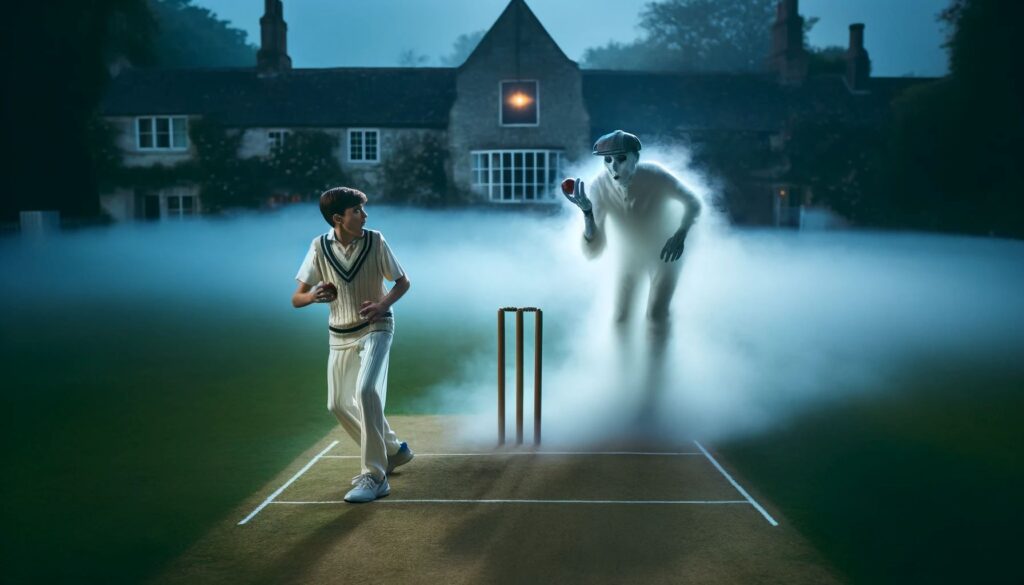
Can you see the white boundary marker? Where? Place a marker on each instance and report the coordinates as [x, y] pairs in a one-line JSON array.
[[323, 455], [739, 488], [504, 454], [270, 499], [606, 502]]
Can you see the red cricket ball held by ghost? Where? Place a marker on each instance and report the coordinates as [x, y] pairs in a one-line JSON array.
[[568, 186]]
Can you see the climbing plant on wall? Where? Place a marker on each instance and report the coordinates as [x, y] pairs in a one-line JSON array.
[[414, 171], [304, 166]]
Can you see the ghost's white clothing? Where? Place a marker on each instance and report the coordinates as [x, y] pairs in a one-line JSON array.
[[639, 213]]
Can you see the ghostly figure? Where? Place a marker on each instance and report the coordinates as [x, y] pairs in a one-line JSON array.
[[636, 196]]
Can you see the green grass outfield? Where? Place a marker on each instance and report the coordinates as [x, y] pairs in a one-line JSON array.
[[921, 485], [129, 432]]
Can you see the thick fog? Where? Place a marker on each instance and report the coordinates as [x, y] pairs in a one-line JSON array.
[[765, 324]]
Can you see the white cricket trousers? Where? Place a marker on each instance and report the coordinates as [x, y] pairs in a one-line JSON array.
[[357, 382]]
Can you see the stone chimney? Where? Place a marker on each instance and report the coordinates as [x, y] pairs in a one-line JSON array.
[[789, 59], [273, 54], [858, 65]]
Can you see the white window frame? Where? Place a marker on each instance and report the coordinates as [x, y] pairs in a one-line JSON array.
[[180, 213], [363, 133], [501, 103], [488, 178], [172, 121], [274, 144]]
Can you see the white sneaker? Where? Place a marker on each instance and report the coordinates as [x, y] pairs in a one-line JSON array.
[[400, 458], [367, 489]]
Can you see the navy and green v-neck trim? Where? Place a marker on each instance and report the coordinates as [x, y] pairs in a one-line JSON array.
[[347, 275]]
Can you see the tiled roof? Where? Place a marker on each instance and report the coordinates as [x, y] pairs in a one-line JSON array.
[[667, 103], [516, 16], [670, 103], [641, 102], [343, 97]]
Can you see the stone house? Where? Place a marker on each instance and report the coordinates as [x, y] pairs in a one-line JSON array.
[[512, 115]]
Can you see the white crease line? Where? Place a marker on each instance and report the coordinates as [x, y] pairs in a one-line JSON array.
[[270, 500], [605, 502], [742, 491], [502, 454]]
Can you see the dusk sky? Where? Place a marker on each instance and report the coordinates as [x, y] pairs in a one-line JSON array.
[[902, 38]]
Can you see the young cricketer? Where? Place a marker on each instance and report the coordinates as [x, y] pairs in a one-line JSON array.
[[346, 268]]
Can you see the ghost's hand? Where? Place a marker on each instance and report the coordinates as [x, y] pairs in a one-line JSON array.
[[578, 197], [674, 247]]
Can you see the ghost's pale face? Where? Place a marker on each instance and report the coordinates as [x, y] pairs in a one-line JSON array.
[[621, 167]]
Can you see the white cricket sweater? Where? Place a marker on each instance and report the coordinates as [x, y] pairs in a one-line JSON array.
[[358, 276]]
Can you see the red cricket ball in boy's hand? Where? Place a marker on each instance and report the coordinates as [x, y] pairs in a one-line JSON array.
[[330, 289], [568, 186]]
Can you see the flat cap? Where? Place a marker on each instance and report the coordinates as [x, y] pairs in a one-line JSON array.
[[617, 142]]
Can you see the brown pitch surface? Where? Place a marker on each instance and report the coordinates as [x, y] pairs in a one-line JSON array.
[[434, 542]]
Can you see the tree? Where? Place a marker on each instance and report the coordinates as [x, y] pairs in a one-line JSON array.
[[304, 165], [414, 172], [224, 179], [826, 60], [955, 146], [63, 52], [192, 36], [694, 35], [463, 46], [636, 56], [410, 58], [59, 53], [839, 162]]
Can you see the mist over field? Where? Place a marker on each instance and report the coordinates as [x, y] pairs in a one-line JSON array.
[[765, 324]]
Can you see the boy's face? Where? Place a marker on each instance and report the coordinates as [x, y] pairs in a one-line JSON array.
[[352, 221]]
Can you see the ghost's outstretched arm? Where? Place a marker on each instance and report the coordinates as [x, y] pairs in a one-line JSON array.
[[692, 206], [593, 220], [673, 249], [594, 245], [594, 232]]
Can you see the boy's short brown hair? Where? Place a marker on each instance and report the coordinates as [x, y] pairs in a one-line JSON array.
[[338, 199]]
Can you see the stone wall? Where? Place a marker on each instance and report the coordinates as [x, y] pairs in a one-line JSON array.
[[475, 117]]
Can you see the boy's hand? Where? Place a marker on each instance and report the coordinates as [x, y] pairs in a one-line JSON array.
[[324, 292], [372, 311]]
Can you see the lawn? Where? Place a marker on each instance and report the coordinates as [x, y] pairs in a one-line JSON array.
[[136, 430], [139, 430], [154, 378], [918, 484]]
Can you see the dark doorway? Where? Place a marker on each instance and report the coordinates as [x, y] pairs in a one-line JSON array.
[[151, 207]]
